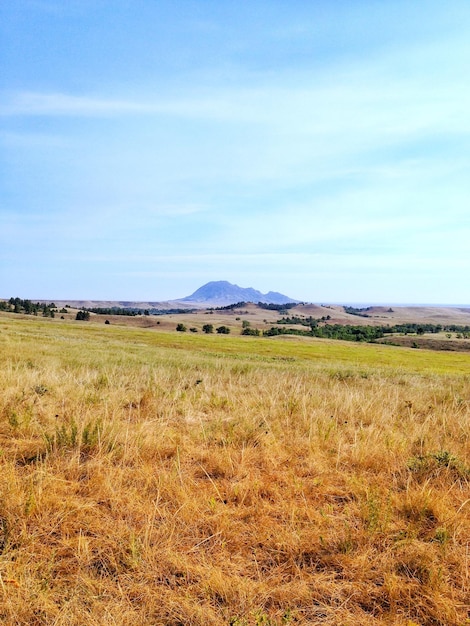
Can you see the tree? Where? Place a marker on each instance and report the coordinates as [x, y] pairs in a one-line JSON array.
[[254, 332], [181, 328], [83, 316], [208, 328], [223, 330]]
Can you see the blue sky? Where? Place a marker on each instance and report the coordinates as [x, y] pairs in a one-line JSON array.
[[317, 148]]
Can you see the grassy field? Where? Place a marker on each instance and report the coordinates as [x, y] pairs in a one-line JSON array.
[[163, 478]]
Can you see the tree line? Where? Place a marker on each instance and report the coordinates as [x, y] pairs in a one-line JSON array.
[[268, 306], [331, 331], [385, 329], [27, 307], [132, 311]]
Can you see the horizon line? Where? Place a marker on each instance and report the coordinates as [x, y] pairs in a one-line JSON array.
[[318, 302]]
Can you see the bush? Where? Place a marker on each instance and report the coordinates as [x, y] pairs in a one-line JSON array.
[[223, 330], [181, 328], [254, 332], [208, 328]]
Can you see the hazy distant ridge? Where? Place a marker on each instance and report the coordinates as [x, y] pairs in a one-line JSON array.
[[223, 293]]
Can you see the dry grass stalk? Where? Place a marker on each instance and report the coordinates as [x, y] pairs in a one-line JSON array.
[[146, 484]]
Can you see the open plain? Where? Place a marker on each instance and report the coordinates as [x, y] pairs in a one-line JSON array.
[[178, 478]]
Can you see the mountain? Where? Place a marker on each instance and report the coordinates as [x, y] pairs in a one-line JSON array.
[[223, 293]]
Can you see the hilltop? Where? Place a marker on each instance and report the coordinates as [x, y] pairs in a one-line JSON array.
[[223, 293]]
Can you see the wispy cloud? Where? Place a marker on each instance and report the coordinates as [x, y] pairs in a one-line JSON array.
[[58, 104], [217, 105]]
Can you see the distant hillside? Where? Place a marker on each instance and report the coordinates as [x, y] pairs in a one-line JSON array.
[[223, 293], [122, 304]]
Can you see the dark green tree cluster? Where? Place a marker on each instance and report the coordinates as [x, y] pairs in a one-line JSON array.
[[348, 333], [275, 330], [83, 316], [18, 305], [277, 307], [171, 311], [114, 310], [132, 311], [223, 330], [420, 329], [229, 307], [304, 321], [253, 332], [332, 331], [457, 329], [352, 310]]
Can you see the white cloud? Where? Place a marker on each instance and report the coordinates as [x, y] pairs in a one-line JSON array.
[[53, 104]]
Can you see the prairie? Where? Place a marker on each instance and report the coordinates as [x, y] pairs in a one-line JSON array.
[[165, 478]]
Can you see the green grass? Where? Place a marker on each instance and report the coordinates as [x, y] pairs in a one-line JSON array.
[[141, 345]]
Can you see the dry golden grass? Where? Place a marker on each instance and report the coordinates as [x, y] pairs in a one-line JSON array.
[[154, 478]]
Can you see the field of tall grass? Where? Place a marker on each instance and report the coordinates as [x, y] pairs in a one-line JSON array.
[[168, 479]]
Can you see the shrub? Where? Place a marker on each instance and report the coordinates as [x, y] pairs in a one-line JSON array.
[[254, 332]]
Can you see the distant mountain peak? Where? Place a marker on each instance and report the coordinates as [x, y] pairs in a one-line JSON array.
[[223, 293]]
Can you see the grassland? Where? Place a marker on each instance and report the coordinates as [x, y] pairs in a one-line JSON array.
[[262, 320], [163, 478]]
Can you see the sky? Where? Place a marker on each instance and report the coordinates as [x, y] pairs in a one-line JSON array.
[[319, 148]]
